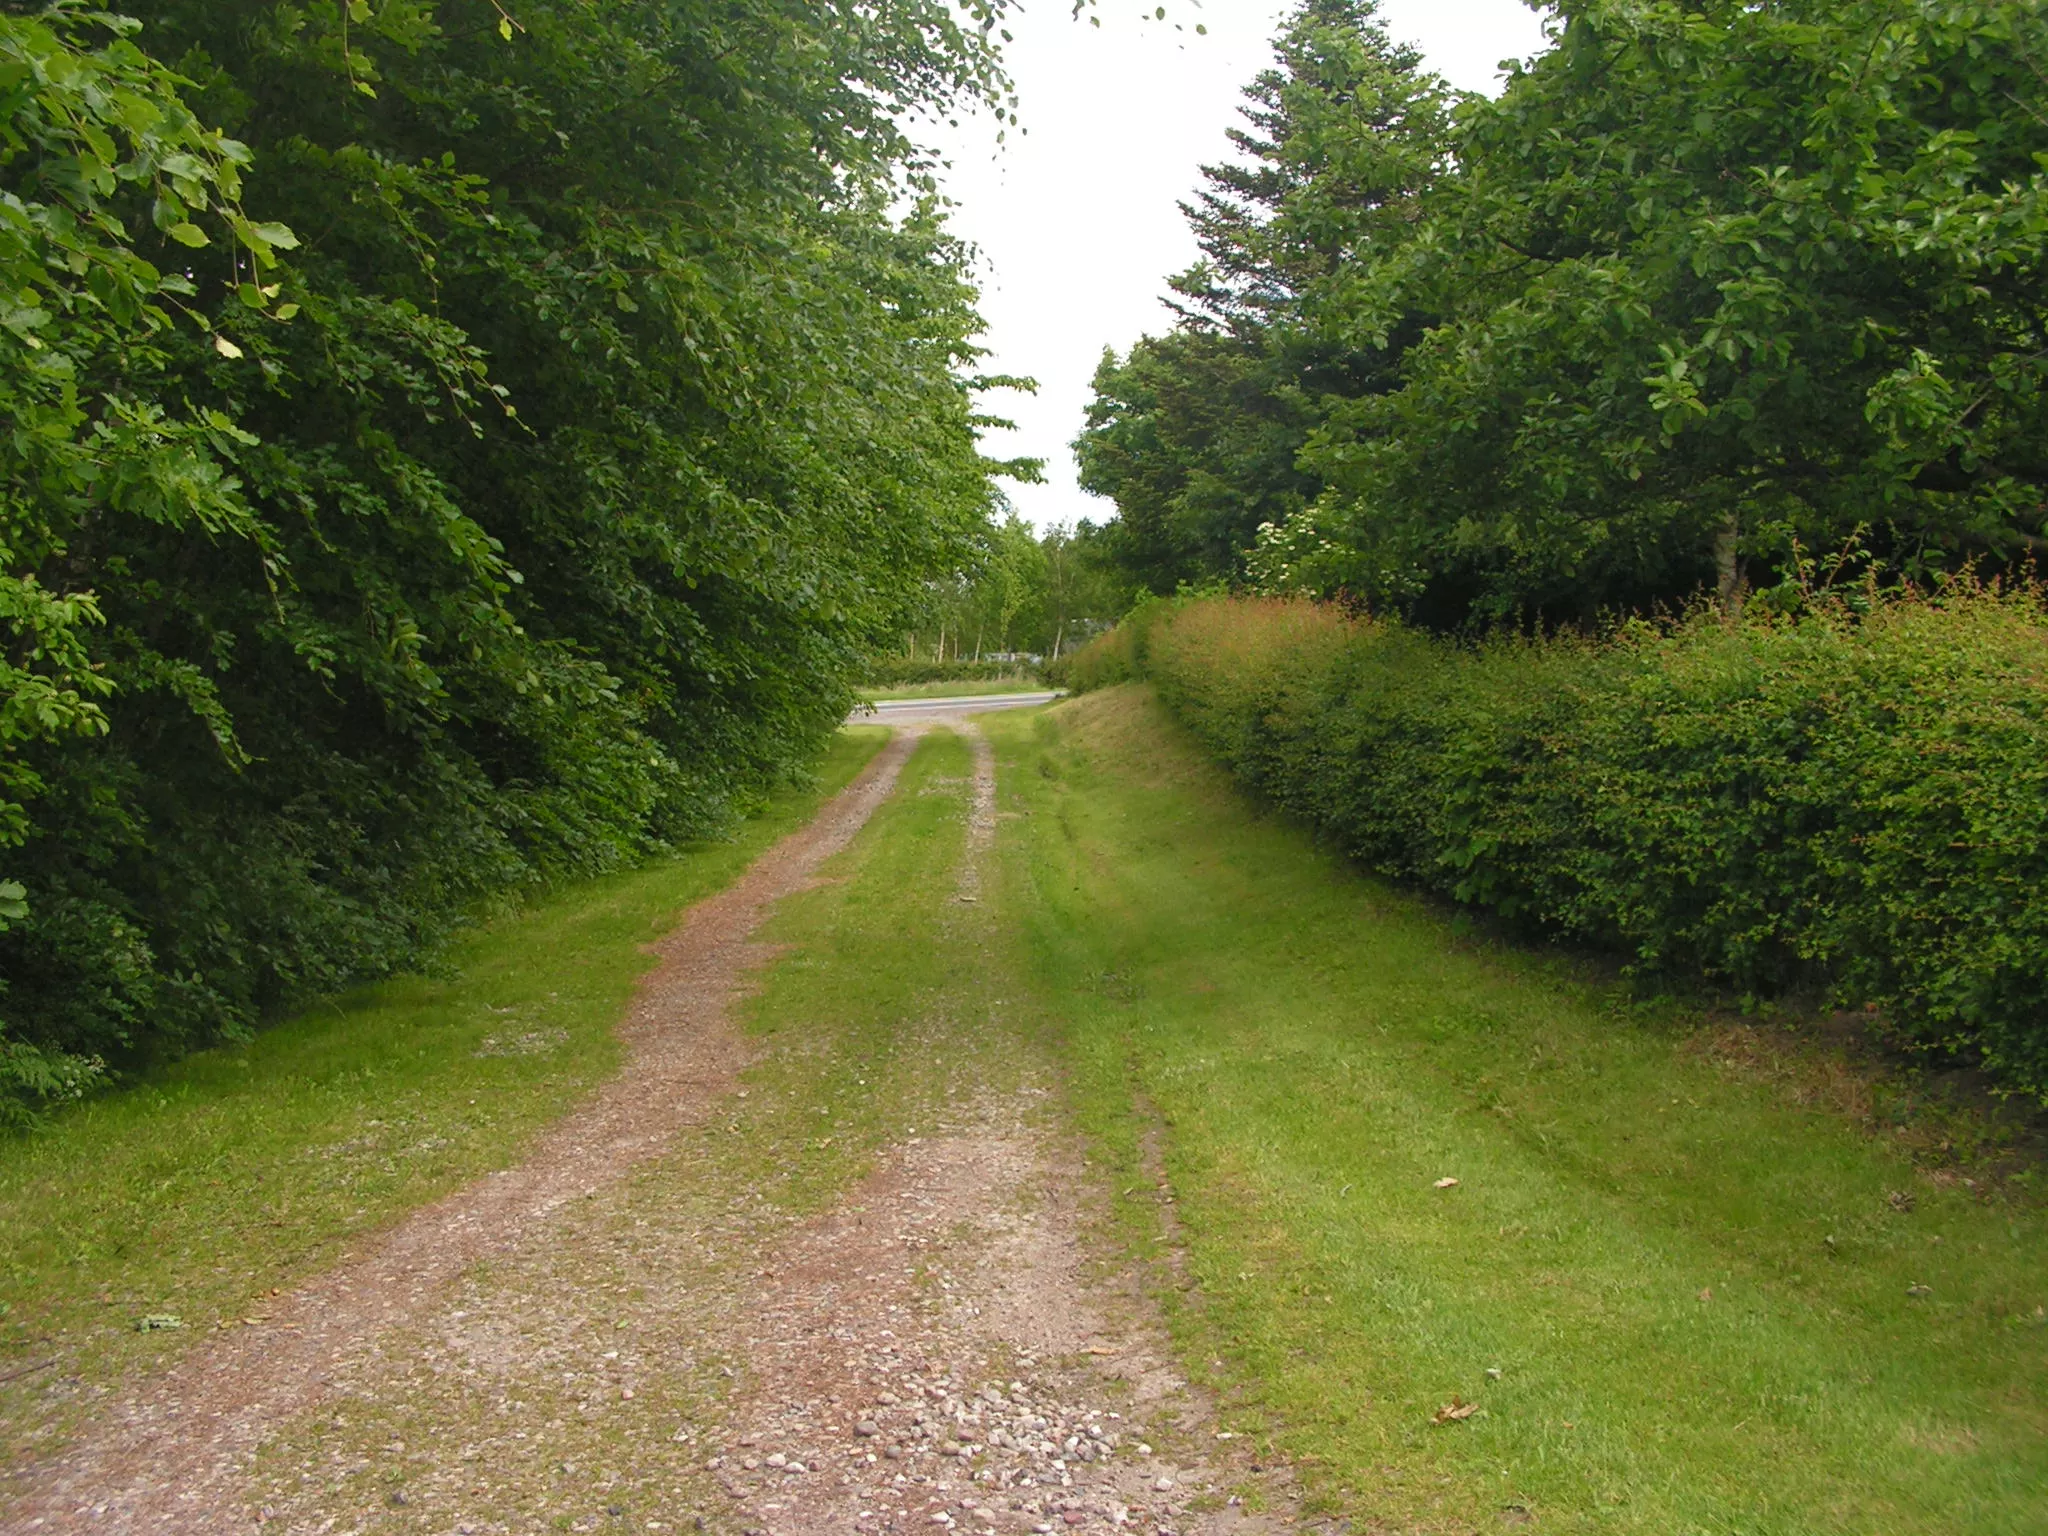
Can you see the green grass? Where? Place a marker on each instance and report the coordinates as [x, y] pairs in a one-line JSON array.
[[1699, 1295], [1696, 1292], [886, 1015], [1022, 682], [195, 1192]]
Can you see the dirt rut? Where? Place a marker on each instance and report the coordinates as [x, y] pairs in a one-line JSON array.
[[168, 1457]]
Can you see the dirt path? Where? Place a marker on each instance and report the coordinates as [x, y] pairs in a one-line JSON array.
[[167, 1460], [941, 1349]]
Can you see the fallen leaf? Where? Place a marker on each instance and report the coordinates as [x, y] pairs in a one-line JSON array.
[[1919, 1290], [1706, 1293], [1446, 1183], [1454, 1410]]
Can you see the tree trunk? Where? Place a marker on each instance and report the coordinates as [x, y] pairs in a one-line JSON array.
[[1728, 565], [1059, 639]]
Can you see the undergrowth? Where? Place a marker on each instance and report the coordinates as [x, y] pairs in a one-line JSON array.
[[1853, 799]]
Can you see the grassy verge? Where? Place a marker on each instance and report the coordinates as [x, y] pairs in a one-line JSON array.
[[1679, 1301], [1022, 682], [243, 1169]]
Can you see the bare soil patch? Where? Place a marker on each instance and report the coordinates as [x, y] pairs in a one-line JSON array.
[[942, 1351]]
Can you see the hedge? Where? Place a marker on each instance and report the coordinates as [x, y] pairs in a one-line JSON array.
[[902, 672], [1856, 796]]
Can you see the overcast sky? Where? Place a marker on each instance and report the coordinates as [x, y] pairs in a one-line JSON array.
[[1077, 220]]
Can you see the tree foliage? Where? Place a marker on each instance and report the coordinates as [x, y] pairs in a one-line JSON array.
[[1707, 282], [1196, 435], [1021, 592], [453, 445]]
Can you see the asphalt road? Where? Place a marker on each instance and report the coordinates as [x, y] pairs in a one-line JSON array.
[[939, 711]]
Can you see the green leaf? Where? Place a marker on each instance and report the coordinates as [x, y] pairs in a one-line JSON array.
[[188, 233], [505, 28]]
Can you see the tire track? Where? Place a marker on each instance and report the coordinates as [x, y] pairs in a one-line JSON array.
[[169, 1457]]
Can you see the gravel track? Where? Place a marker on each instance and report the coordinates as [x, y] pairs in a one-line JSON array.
[[168, 1457]]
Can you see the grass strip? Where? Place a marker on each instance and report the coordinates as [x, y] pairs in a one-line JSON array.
[[194, 1194], [1676, 1301], [1021, 682]]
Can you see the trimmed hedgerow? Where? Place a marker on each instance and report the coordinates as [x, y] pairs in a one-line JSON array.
[[1856, 796], [903, 672], [1115, 656]]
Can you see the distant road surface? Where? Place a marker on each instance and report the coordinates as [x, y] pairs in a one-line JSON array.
[[938, 711]]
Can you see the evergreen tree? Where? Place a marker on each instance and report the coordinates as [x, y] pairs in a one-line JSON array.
[[1196, 435]]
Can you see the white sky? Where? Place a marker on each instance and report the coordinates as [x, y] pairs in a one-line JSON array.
[[1077, 220]]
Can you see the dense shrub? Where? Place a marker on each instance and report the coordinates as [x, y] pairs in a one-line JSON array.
[[1856, 796]]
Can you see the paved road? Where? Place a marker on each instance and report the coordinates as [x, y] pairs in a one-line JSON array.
[[939, 711]]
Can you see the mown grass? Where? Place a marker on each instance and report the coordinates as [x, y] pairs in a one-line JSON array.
[[887, 1014], [193, 1193], [1711, 1310]]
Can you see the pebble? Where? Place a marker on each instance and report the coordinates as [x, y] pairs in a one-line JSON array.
[[995, 1440]]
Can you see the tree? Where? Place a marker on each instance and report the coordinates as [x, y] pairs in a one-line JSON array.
[[1708, 280], [1081, 590], [534, 512], [1196, 435]]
